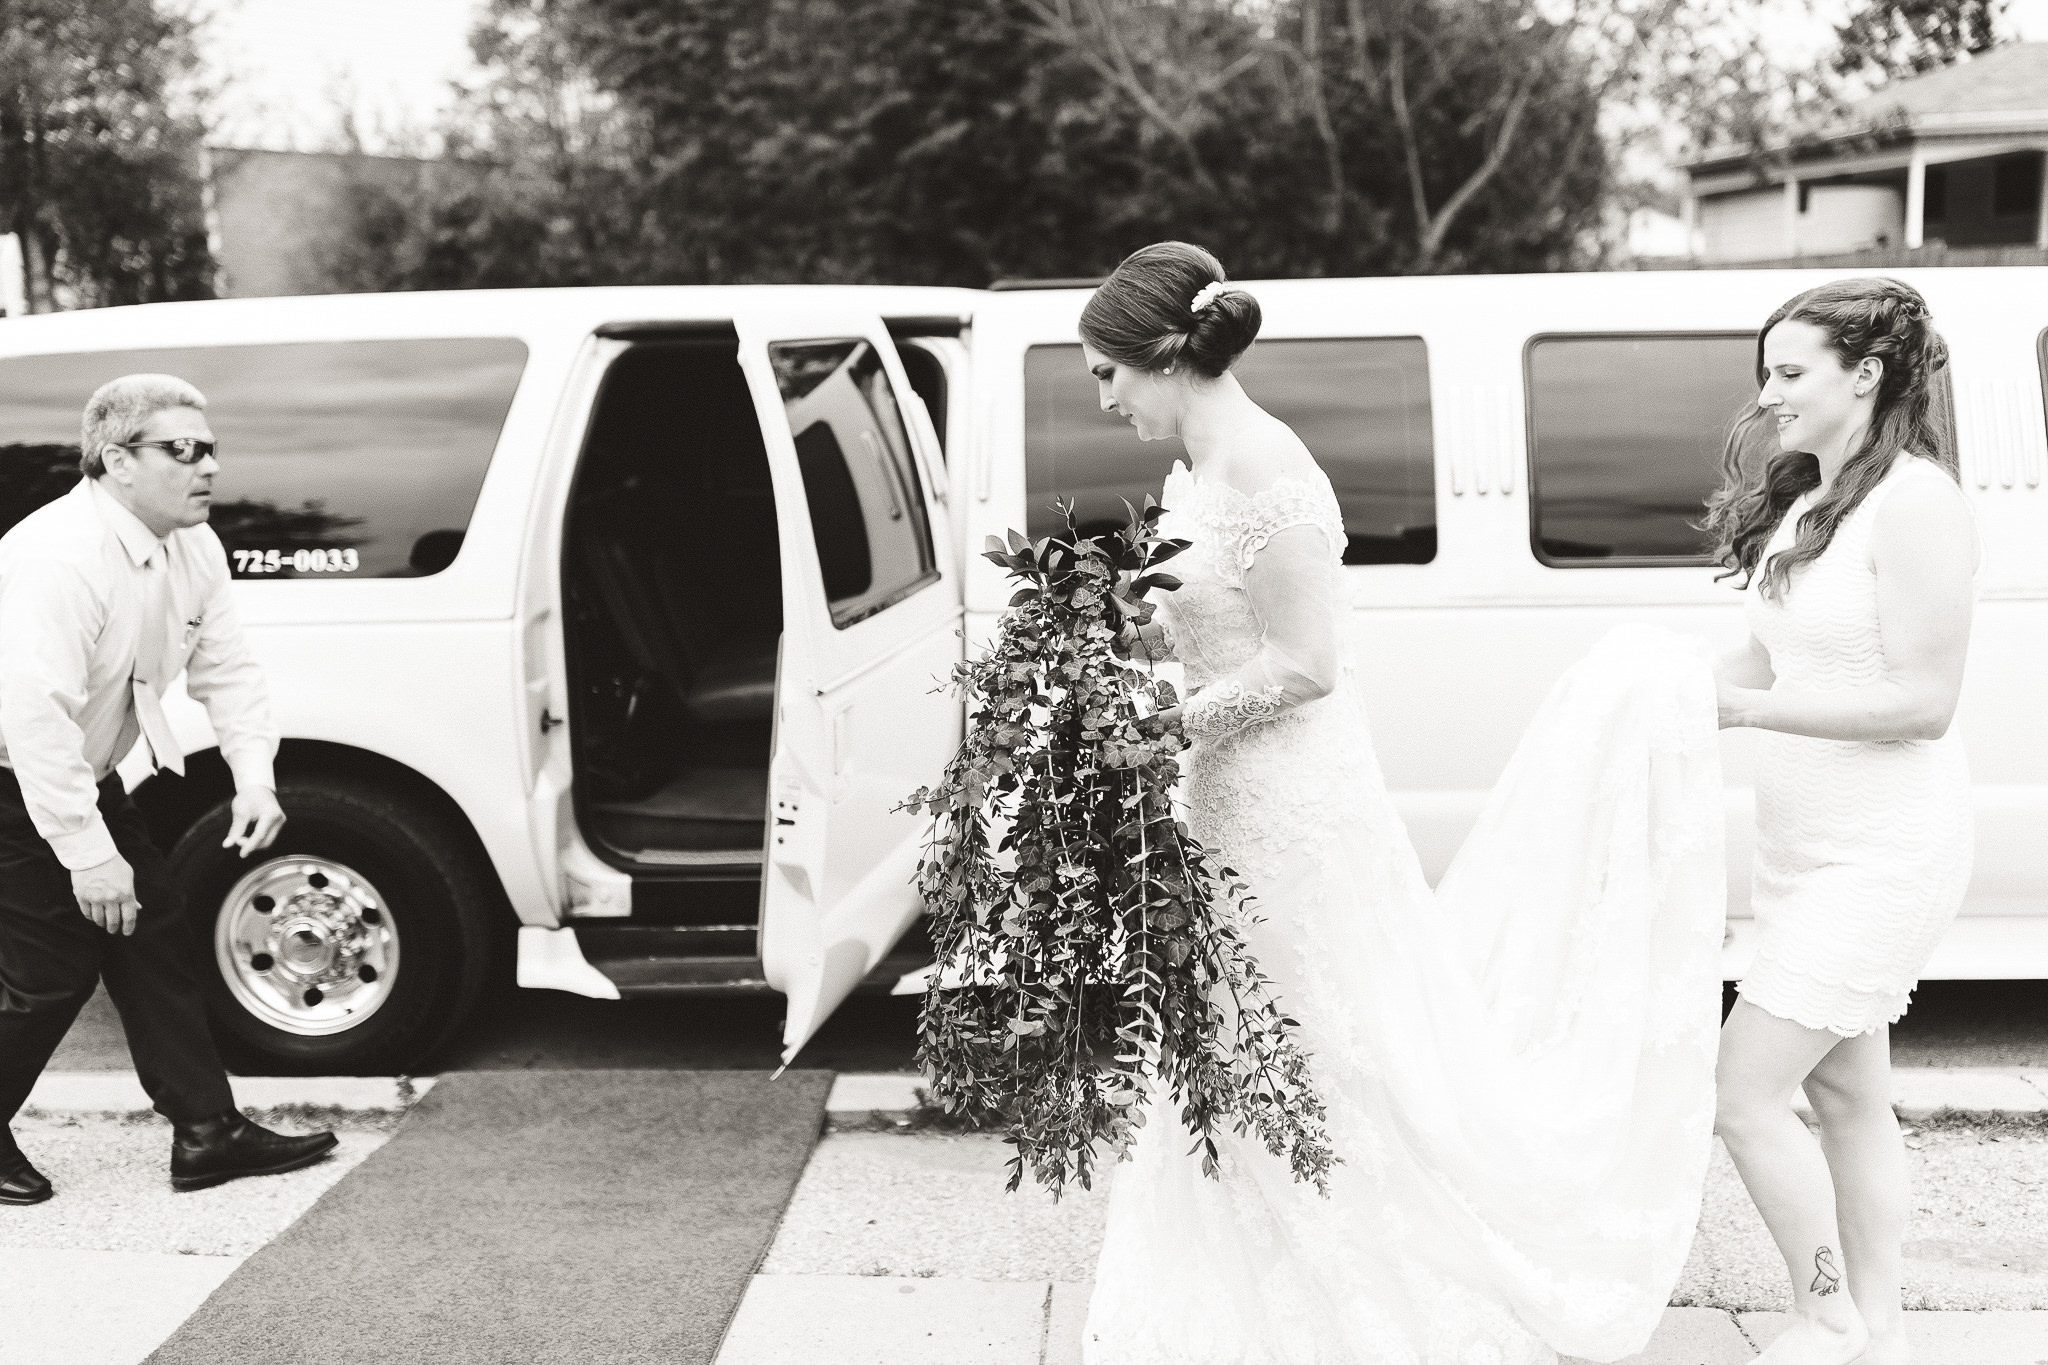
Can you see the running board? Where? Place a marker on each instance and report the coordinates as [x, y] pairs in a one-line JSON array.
[[734, 860], [657, 960]]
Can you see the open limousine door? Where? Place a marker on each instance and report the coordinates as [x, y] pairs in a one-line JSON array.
[[870, 631]]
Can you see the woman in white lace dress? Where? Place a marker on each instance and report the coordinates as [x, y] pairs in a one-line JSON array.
[[1517, 1070], [1859, 551]]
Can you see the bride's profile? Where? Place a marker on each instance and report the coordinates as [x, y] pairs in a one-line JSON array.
[[1517, 1067]]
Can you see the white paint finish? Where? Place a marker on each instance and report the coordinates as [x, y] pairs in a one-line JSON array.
[[1916, 199], [98, 1307], [1850, 218], [552, 959], [858, 723], [879, 1320], [1747, 225]]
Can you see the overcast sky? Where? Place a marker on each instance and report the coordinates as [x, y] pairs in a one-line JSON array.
[[291, 64]]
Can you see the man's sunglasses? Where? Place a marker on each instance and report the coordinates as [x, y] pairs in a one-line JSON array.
[[183, 449]]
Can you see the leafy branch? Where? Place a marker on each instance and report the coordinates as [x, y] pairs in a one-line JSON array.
[[1089, 947]]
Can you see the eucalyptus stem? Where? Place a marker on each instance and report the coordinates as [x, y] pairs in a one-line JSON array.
[[1110, 900]]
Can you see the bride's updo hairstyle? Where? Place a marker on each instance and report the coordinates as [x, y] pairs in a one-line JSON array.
[[1144, 314], [1869, 317]]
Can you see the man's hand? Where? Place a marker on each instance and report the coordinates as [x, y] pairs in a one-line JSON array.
[[255, 821], [106, 895]]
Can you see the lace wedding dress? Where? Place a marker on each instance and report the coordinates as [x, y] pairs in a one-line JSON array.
[[1518, 1068]]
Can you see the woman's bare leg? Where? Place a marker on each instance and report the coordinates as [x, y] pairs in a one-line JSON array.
[[1851, 1095], [1763, 1059]]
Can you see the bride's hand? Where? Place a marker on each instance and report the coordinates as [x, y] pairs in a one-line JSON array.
[[1159, 722]]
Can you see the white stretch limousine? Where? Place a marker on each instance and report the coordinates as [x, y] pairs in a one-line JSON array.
[[613, 615]]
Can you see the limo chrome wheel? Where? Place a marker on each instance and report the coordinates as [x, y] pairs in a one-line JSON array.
[[306, 946]]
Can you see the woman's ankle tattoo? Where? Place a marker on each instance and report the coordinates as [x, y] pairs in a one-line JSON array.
[[1827, 1279]]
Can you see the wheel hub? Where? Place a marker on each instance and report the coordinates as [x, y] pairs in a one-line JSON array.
[[305, 945], [316, 940]]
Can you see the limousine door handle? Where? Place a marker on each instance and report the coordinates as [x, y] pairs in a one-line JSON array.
[[548, 720]]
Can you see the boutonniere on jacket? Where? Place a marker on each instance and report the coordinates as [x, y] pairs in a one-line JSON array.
[[192, 627]]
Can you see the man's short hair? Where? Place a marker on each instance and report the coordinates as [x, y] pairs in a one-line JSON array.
[[118, 408]]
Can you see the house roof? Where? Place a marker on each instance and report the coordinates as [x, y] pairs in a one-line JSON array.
[[2009, 78], [2002, 92]]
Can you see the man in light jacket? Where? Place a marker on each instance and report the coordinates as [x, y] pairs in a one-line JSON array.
[[106, 595]]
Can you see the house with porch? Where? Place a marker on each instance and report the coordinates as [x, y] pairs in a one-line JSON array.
[[1955, 158]]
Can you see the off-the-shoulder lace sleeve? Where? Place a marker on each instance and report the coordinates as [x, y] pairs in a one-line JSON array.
[[1283, 547]]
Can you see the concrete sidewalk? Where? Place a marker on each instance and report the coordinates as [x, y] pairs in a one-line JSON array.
[[874, 1320], [901, 1248]]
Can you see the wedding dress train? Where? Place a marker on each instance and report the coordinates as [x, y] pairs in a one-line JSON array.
[[1518, 1068]]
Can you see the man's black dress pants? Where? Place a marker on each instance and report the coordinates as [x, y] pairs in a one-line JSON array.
[[51, 956]]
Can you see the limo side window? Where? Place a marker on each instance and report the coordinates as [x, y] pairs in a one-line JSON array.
[[1360, 404], [861, 484], [343, 459], [1625, 442]]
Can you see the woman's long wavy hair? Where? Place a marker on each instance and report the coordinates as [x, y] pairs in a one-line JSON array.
[[1870, 317]]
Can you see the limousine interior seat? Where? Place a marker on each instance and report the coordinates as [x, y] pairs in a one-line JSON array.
[[672, 580]]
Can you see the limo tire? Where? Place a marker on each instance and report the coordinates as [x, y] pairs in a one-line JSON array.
[[357, 943]]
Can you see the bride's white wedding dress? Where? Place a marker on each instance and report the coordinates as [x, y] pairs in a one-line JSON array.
[[1518, 1068]]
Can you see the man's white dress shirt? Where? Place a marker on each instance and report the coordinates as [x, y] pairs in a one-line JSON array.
[[75, 577]]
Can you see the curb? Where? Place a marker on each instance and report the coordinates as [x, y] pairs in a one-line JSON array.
[[1922, 1093], [884, 1095], [119, 1093]]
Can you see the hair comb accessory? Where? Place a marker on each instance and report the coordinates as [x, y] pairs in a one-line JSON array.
[[1210, 292]]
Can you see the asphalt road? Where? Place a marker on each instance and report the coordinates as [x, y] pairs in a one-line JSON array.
[[1952, 1023]]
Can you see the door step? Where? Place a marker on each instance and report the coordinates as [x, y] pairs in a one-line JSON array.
[[686, 959], [746, 860]]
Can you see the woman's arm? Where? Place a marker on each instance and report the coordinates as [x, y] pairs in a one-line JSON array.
[[1292, 591], [1747, 665], [1924, 551]]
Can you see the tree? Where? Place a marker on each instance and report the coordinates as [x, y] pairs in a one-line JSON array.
[[1888, 39], [953, 141], [956, 141], [100, 148]]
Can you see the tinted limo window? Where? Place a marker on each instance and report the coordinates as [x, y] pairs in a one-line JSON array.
[[1360, 404], [344, 459], [1625, 441], [866, 500]]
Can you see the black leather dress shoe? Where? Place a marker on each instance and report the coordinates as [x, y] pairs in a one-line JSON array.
[[20, 1182], [230, 1147]]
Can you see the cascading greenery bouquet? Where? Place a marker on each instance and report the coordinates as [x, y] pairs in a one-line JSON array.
[[1089, 950]]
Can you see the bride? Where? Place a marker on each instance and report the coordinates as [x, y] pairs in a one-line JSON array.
[[1517, 1068]]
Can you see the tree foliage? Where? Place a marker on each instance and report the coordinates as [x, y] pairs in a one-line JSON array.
[[1896, 38], [100, 151], [956, 141], [1089, 946]]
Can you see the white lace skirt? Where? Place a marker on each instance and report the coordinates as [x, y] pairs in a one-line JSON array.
[[1518, 1070]]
